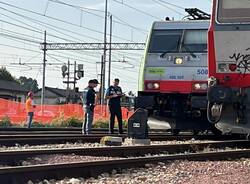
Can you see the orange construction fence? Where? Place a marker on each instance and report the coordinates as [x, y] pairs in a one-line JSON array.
[[46, 113]]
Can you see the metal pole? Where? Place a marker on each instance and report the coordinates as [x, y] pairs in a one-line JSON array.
[[74, 92], [68, 75], [101, 89], [44, 65], [68, 82], [110, 40], [104, 51]]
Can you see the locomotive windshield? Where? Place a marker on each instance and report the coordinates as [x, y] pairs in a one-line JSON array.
[[176, 41], [233, 11], [194, 41], [165, 41]]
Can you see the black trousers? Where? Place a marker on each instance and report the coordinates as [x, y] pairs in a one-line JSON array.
[[115, 110]]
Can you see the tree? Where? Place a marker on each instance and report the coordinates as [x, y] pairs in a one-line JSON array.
[[6, 75], [28, 83]]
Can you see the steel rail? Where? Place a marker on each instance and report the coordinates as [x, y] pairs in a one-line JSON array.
[[68, 130], [46, 129], [4, 130], [22, 174], [38, 139]]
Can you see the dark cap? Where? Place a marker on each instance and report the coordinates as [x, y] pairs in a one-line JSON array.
[[95, 81], [91, 81]]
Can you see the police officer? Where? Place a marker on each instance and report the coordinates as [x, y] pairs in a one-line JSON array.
[[113, 94], [88, 99]]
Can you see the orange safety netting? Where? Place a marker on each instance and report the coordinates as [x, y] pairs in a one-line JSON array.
[[47, 113]]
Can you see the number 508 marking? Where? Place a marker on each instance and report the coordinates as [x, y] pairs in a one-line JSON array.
[[202, 71]]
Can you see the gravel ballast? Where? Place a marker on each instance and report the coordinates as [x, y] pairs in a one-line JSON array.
[[178, 172], [58, 159]]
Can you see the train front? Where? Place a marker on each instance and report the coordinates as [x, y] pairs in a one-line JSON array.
[[173, 76], [229, 66]]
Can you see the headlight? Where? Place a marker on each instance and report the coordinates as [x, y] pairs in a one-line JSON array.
[[150, 86], [153, 86], [178, 61], [156, 85], [200, 86]]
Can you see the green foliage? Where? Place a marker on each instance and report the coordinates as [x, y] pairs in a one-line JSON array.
[[28, 83], [6, 75], [38, 124], [73, 122], [124, 124], [105, 124], [101, 124], [5, 122], [60, 121]]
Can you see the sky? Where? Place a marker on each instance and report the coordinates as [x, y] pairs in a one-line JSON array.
[[23, 22]]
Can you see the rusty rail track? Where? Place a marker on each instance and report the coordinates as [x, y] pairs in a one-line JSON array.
[[22, 174]]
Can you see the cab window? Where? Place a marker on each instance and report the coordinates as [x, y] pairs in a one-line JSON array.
[[194, 41], [165, 41], [233, 11]]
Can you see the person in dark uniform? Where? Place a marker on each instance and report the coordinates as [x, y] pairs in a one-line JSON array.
[[114, 94], [88, 99]]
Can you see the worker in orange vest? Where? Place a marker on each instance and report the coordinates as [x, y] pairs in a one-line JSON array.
[[30, 108]]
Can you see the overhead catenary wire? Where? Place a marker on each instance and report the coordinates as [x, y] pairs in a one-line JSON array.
[[50, 26], [169, 8], [138, 10], [62, 21], [30, 11], [55, 28], [65, 57], [121, 22], [61, 56], [50, 55], [46, 8], [35, 30], [17, 38], [79, 59], [56, 55], [22, 34], [172, 4], [40, 33]]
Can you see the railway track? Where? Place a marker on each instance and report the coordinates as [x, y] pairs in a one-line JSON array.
[[38, 139], [75, 130], [68, 130], [21, 174], [72, 130], [14, 156]]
